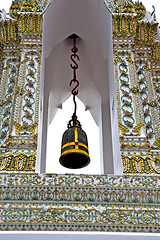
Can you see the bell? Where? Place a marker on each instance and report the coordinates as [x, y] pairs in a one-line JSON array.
[[74, 149]]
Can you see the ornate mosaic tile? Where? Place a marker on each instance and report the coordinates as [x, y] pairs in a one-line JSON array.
[[79, 202]]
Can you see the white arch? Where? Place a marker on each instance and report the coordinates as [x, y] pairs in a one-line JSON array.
[[54, 138], [93, 23]]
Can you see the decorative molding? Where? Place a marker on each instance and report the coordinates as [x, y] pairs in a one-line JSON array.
[[53, 202]]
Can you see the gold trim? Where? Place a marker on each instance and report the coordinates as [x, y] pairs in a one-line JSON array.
[[76, 137], [73, 143], [83, 145], [75, 151], [68, 144]]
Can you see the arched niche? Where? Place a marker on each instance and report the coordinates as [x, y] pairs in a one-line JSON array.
[[55, 131], [92, 22]]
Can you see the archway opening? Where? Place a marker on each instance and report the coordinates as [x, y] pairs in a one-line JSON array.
[[96, 75], [56, 130]]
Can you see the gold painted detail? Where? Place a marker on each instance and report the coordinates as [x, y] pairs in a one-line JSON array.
[[76, 145], [79, 202], [26, 25], [156, 144], [10, 32], [141, 163], [19, 105], [29, 6], [156, 55], [31, 25], [104, 196], [76, 150], [90, 215], [146, 33], [137, 73], [140, 10], [73, 144], [124, 25], [76, 137], [136, 131], [64, 180], [25, 129], [125, 7], [77, 227], [18, 162]]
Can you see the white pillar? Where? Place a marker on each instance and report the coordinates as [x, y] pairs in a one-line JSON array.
[[106, 136]]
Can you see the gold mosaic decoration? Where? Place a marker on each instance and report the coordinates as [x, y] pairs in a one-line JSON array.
[[48, 202], [54, 202], [136, 62], [21, 46]]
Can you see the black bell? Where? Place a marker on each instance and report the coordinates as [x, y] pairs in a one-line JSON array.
[[74, 150]]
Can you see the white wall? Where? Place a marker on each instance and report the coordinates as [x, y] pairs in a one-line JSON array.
[[93, 23], [77, 236]]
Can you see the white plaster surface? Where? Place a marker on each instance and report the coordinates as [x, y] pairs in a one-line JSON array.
[[77, 236], [93, 23]]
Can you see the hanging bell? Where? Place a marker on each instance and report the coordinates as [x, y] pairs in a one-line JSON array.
[[74, 149]]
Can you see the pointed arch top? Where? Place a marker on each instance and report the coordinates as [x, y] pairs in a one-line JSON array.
[[92, 22]]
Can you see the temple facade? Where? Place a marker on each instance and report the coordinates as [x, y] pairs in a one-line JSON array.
[[119, 43]]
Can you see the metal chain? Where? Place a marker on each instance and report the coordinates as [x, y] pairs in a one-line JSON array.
[[74, 66]]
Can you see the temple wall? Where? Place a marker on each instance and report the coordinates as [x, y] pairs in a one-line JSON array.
[[100, 203], [54, 202]]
